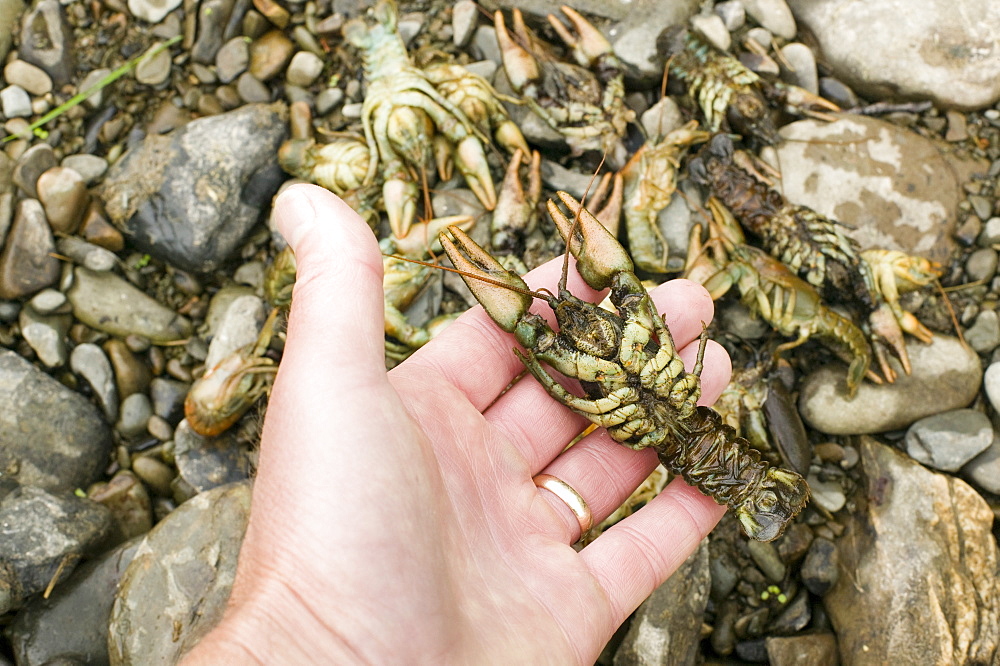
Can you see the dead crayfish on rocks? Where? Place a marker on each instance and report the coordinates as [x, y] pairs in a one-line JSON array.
[[635, 382], [730, 95]]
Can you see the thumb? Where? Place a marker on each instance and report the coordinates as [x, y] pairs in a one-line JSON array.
[[337, 316]]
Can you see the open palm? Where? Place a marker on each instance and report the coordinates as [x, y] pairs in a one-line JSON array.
[[394, 516]]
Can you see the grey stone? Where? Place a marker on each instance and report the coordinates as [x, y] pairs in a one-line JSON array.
[[135, 413], [191, 197], [15, 102], [935, 50], [484, 42], [47, 41], [981, 264], [39, 532], [464, 19], [153, 70], [991, 384], [303, 69], [239, 327], [232, 59], [64, 197], [919, 568], [666, 628], [90, 362], [802, 71], [827, 494], [793, 617], [713, 30], [88, 255], [732, 13], [946, 375], [94, 77], [949, 440], [802, 650], [662, 118], [168, 396], [984, 334], [837, 92], [895, 187], [33, 163], [47, 301], [207, 462], [765, 555], [90, 167], [26, 262], [108, 303], [328, 100], [73, 622], [46, 335], [983, 471], [128, 500], [176, 587], [820, 568], [990, 235], [981, 205], [774, 15], [68, 442], [152, 11]]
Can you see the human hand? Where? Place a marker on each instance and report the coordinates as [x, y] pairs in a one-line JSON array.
[[394, 516]]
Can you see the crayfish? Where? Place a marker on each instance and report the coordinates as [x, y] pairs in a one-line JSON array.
[[634, 380]]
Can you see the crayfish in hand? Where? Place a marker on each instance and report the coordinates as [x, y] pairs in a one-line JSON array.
[[635, 382]]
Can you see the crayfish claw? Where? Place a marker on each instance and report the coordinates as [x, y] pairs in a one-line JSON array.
[[588, 44], [400, 199], [471, 161], [600, 257], [520, 65], [504, 295]]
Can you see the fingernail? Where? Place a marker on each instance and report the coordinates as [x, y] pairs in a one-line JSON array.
[[294, 214]]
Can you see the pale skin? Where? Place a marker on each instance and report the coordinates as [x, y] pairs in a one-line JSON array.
[[394, 517]]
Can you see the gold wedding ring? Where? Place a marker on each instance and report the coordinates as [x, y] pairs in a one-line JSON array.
[[570, 498]]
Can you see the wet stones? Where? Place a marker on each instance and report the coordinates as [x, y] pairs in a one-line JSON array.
[[666, 628], [937, 51], [47, 41], [38, 532], [949, 440], [191, 197], [26, 264], [891, 184], [50, 436], [108, 303], [919, 568], [176, 588], [946, 375]]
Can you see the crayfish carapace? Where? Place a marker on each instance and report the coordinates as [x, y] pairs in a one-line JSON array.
[[635, 382]]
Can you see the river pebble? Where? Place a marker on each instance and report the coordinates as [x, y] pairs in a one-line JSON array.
[[90, 167], [811, 649], [666, 628], [15, 102], [27, 76], [949, 440], [732, 13], [71, 626], [154, 70], [69, 441], [981, 264], [765, 555], [44, 533], [64, 197], [269, 55], [984, 334], [935, 50], [131, 373], [90, 256], [983, 471], [828, 494], [26, 262], [801, 69], [893, 185], [187, 223], [90, 362], [152, 11], [820, 568], [156, 474], [46, 335], [33, 163], [47, 301], [134, 415], [168, 396], [108, 303], [304, 69], [774, 15], [10, 12], [127, 499], [946, 375], [464, 19], [207, 462], [177, 586], [920, 565], [47, 41], [713, 30], [232, 59]]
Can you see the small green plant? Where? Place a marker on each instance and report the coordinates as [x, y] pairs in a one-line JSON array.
[[36, 127]]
